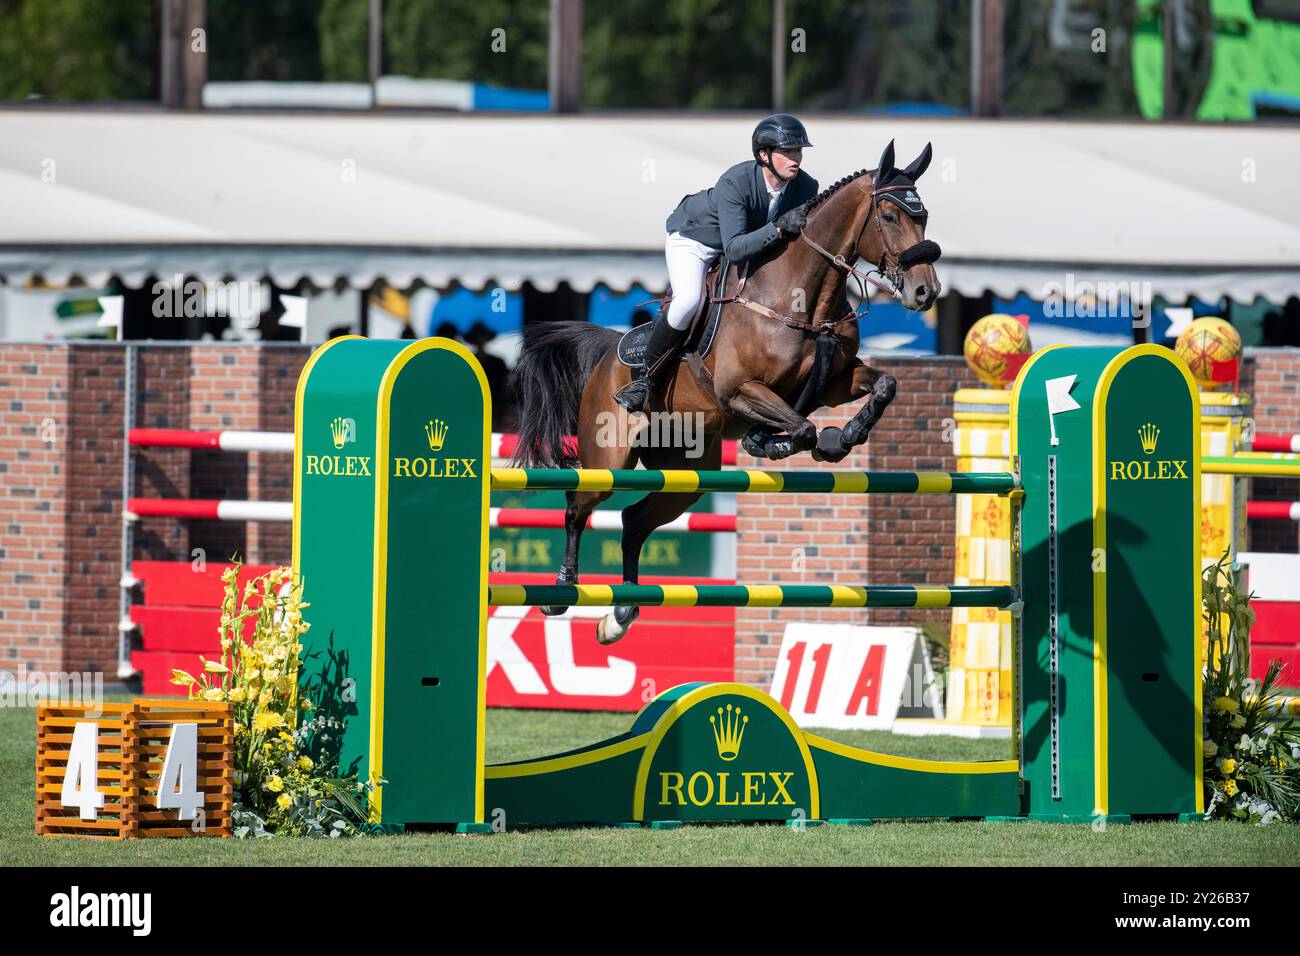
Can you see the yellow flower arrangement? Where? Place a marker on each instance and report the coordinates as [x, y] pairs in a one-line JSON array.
[[279, 787], [267, 720], [1248, 771]]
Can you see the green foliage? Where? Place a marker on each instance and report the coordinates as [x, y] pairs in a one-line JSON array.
[[637, 54], [454, 40], [677, 54], [77, 50], [865, 55], [267, 40], [344, 28]]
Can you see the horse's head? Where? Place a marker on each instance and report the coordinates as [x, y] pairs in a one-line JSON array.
[[894, 236]]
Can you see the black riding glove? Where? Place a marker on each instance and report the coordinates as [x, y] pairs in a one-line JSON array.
[[791, 222]]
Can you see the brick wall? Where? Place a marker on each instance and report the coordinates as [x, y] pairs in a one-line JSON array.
[[61, 447], [1274, 381], [848, 539], [33, 506]]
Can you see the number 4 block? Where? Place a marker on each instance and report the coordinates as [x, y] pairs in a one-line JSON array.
[[150, 768]]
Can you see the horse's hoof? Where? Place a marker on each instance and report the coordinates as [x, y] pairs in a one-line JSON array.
[[755, 441], [779, 448], [609, 631], [830, 445], [551, 610]]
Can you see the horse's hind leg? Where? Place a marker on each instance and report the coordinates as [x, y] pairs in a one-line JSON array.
[[595, 452], [578, 509]]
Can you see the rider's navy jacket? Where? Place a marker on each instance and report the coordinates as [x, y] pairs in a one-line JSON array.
[[732, 216]]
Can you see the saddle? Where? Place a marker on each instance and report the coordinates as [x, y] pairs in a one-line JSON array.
[[703, 327]]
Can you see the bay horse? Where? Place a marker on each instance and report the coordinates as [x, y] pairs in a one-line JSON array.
[[764, 358]]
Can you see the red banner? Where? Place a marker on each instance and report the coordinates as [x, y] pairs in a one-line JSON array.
[[557, 663]]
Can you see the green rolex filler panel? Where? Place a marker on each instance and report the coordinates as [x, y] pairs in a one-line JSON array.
[[393, 447], [334, 535], [1109, 659]]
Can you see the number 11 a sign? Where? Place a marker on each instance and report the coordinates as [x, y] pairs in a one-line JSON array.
[[850, 676]]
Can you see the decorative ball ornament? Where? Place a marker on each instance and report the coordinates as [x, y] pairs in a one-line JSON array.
[[1204, 342], [989, 342]]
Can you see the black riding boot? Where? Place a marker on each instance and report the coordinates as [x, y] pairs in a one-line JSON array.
[[660, 353]]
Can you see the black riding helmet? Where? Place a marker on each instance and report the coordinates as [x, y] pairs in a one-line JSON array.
[[778, 131]]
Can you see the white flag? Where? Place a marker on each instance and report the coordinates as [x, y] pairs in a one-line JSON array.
[[1179, 319], [111, 306], [1059, 400], [295, 311]]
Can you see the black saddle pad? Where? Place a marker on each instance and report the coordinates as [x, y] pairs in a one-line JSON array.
[[631, 347]]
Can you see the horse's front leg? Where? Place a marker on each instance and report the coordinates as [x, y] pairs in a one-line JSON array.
[[858, 379], [768, 410]]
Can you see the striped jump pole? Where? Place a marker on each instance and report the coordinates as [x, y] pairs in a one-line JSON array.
[[1273, 442], [741, 595], [392, 480], [1247, 464], [541, 518], [504, 444], [607, 520], [1273, 510], [752, 481], [202, 509], [1283, 708], [229, 440]]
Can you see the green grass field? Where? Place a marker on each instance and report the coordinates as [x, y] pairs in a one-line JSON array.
[[515, 734]]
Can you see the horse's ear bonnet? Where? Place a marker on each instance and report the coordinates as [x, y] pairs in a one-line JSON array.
[[920, 164], [906, 199]]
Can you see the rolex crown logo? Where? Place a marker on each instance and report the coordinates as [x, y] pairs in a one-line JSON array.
[[342, 431], [1149, 435], [728, 729], [436, 432]]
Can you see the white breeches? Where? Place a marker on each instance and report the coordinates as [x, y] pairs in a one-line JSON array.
[[688, 261]]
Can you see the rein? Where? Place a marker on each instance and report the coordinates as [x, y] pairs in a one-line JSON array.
[[893, 273]]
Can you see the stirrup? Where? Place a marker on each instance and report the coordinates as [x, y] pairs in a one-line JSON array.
[[625, 398]]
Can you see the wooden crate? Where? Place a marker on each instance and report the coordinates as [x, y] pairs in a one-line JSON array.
[[133, 742], [54, 729]]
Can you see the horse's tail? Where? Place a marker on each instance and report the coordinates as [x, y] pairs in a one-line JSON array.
[[556, 361]]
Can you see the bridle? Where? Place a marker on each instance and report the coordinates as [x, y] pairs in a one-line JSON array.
[[891, 272]]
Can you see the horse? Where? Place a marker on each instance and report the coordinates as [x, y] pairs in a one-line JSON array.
[[786, 335]]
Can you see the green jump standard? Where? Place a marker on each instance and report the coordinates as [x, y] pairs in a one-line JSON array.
[[392, 475]]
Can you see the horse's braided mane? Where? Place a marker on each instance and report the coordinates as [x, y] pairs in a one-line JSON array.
[[834, 188]]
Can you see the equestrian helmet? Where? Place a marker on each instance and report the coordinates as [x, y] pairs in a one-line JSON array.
[[779, 131]]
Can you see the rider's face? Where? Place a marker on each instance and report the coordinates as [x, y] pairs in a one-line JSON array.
[[787, 161]]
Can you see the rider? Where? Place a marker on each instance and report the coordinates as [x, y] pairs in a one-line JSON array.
[[753, 205]]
